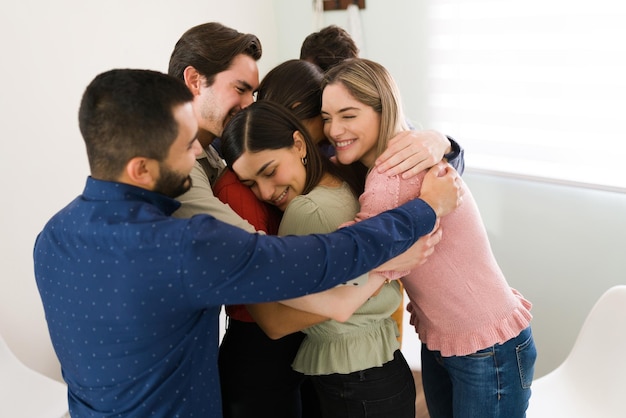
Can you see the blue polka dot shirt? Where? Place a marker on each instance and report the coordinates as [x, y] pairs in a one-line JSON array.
[[132, 296]]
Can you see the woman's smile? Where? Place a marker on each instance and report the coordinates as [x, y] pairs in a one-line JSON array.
[[281, 198]]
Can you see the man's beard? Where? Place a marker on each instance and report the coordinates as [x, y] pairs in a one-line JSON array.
[[171, 183]]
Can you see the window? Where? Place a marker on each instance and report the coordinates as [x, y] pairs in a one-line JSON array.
[[532, 88]]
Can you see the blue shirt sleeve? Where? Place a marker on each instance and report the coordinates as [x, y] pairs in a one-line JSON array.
[[456, 157], [225, 265]]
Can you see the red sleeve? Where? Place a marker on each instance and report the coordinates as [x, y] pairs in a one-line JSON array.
[[240, 198], [262, 216]]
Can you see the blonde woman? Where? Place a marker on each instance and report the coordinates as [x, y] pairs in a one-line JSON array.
[[478, 352]]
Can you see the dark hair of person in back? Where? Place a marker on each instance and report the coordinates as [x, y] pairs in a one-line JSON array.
[[126, 113], [210, 48], [328, 47], [295, 84], [265, 125]]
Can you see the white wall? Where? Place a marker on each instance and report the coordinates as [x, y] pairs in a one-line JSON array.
[[560, 246], [393, 32], [51, 51]]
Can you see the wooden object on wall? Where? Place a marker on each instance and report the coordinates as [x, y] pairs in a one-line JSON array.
[[342, 4]]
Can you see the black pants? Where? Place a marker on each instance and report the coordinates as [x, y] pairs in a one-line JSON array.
[[380, 392], [256, 375]]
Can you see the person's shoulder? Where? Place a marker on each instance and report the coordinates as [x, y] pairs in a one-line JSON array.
[[381, 182], [326, 197], [323, 209], [303, 204], [228, 180], [341, 191]]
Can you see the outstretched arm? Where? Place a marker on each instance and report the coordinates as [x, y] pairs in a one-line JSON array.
[[278, 319], [338, 303]]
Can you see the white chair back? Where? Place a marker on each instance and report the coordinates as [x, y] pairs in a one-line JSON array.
[[25, 393], [591, 382]]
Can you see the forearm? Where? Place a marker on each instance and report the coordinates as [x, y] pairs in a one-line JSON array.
[[278, 320], [338, 303]]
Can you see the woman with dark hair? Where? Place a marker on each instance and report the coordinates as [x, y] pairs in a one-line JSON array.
[[296, 85], [255, 370], [350, 331]]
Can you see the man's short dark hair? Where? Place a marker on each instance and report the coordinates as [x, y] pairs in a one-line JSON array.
[[328, 47], [126, 113], [210, 48]]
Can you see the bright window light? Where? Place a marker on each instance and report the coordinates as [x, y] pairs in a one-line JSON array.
[[533, 88]]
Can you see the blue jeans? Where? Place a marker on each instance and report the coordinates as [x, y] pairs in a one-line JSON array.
[[490, 383], [380, 392]]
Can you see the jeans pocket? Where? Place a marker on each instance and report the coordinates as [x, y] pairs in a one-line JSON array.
[[526, 355]]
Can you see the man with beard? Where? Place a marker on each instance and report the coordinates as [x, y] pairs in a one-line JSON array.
[[132, 295], [218, 65]]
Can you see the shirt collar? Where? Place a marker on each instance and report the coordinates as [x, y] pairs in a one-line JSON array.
[[115, 191]]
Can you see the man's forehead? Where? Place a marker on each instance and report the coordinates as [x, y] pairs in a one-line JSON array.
[[243, 70]]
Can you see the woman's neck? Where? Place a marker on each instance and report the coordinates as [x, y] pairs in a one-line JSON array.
[[329, 180], [369, 158]]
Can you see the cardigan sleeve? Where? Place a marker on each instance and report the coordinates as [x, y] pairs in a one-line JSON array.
[[381, 193]]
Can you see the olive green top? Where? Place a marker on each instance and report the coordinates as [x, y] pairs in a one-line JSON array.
[[369, 338]]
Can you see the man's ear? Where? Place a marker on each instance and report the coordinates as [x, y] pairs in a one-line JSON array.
[[193, 79], [299, 143], [142, 172]]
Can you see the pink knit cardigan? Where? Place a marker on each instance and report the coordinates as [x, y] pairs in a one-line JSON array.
[[461, 300]]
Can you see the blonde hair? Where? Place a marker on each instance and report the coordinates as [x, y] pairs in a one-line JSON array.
[[371, 84]]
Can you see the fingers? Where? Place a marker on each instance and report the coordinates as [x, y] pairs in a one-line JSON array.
[[394, 146], [460, 189], [409, 167], [427, 244], [458, 184], [442, 169], [413, 316], [411, 152], [435, 236], [397, 161], [404, 155], [416, 166], [442, 189], [436, 227]]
